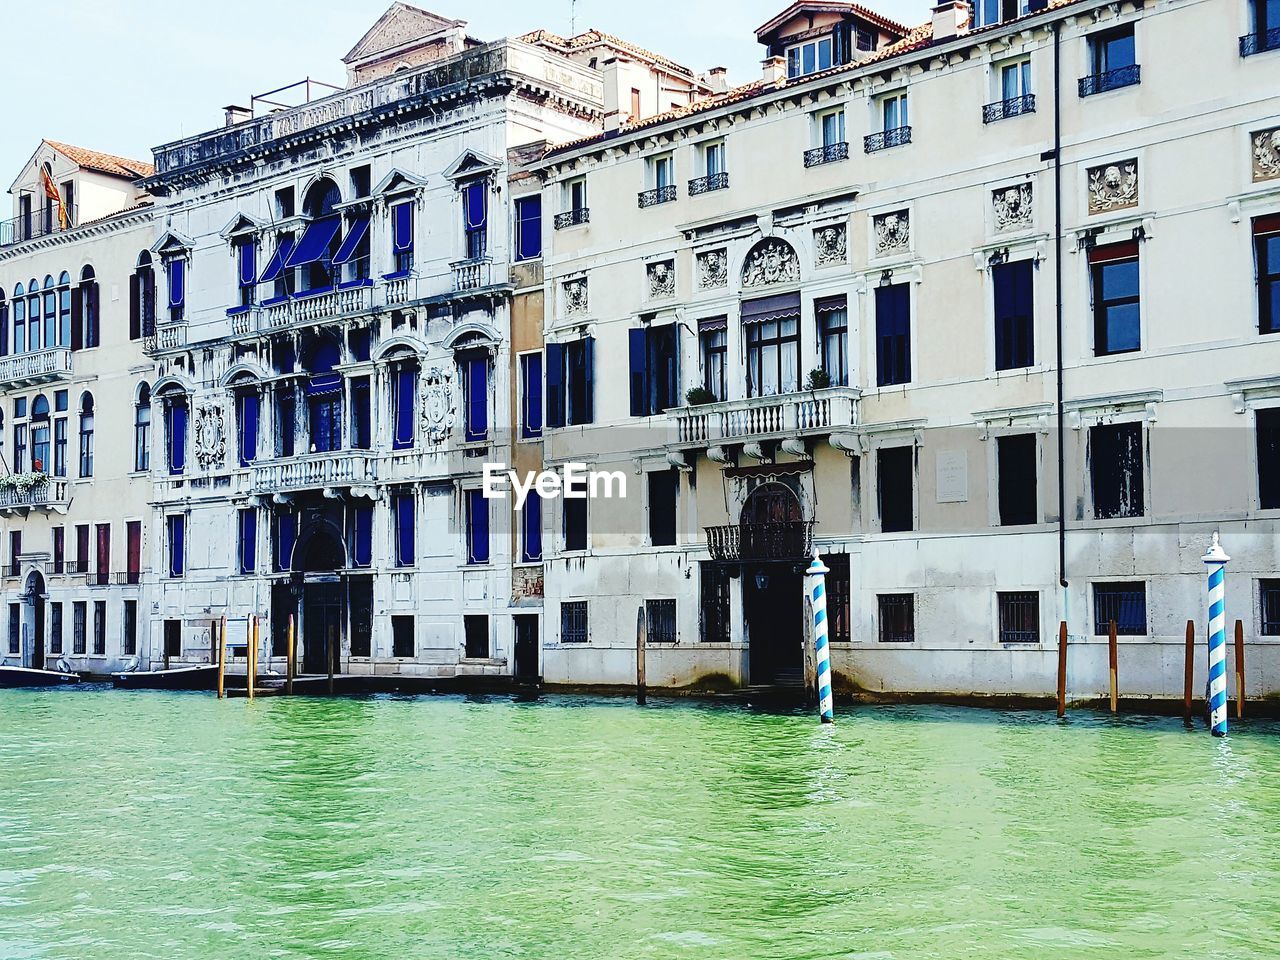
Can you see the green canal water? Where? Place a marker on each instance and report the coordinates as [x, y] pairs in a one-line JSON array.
[[175, 826]]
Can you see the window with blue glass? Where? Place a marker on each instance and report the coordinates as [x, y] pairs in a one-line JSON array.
[[1266, 238], [475, 213], [60, 447], [175, 416], [529, 227], [402, 508], [247, 539], [1014, 314], [1113, 50], [654, 364], [52, 324], [987, 13], [176, 272], [19, 320], [531, 529], [402, 237], [247, 414], [286, 535], [176, 530], [4, 324], [361, 430], [86, 435], [530, 395], [360, 536], [570, 382], [83, 309], [893, 334], [404, 386], [1116, 310], [475, 390], [39, 434], [477, 527], [324, 397]]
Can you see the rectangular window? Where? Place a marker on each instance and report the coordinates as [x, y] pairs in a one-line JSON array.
[[1125, 603], [176, 271], [531, 529], [475, 392], [402, 636], [477, 526], [713, 158], [897, 617], [176, 528], [1016, 478], [839, 598], [79, 614], [247, 538], [1115, 470], [15, 629], [286, 420], [664, 493], [1268, 443], [247, 269], [1014, 314], [1269, 595], [833, 337], [247, 409], [1015, 79], [129, 628], [99, 628], [360, 519], [570, 386], [475, 218], [1114, 274], [654, 361], [810, 57], [530, 395], [575, 521], [831, 128], [635, 103], [402, 237], [476, 630], [175, 412], [86, 438], [15, 549], [405, 400], [893, 334], [895, 483], [286, 534], [20, 445], [661, 171], [59, 549], [173, 638], [573, 621], [1266, 239], [1113, 50], [713, 346], [361, 430], [714, 592], [55, 628], [133, 551], [402, 506], [660, 621], [82, 548], [772, 328], [104, 553], [893, 111], [1019, 614], [528, 227], [576, 194]]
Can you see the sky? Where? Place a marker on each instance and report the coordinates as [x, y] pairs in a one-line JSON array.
[[123, 76]]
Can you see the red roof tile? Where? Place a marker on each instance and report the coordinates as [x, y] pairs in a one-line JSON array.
[[103, 162]]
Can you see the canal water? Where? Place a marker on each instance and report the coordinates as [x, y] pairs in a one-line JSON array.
[[175, 826]]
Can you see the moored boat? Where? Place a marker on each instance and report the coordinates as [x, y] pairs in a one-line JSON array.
[[199, 676], [30, 677]]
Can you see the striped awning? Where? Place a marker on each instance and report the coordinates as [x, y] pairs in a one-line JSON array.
[[771, 308]]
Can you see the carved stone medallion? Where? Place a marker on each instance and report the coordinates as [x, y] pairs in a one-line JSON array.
[[893, 232], [770, 261], [575, 295], [662, 279], [713, 269], [439, 409], [1113, 186], [211, 436], [1013, 207], [831, 245], [1266, 154]]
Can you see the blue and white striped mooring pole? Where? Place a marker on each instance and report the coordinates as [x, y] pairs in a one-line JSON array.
[[1216, 561], [817, 573]]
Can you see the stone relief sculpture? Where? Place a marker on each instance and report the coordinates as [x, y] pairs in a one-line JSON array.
[[1266, 154], [662, 279], [211, 436], [713, 269], [1013, 207], [1113, 186], [893, 232], [831, 245], [770, 261], [575, 295], [438, 406]]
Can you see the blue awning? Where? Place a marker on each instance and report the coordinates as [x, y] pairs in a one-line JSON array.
[[324, 383], [276, 264], [315, 242], [356, 233]]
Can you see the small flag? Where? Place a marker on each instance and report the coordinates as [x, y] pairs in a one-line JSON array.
[[51, 191]]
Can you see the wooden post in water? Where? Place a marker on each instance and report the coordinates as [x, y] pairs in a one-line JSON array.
[[810, 657], [1111, 660], [1239, 669], [251, 669], [330, 652], [1188, 672], [1062, 668], [641, 631], [222, 656], [289, 664]]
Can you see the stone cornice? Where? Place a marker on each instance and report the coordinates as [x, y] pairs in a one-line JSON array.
[[99, 228]]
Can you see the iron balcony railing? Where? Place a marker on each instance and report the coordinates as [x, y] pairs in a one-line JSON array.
[[572, 218], [767, 540], [826, 154], [712, 181], [1110, 80], [895, 137], [1013, 107], [37, 223], [1252, 43], [113, 578], [651, 198]]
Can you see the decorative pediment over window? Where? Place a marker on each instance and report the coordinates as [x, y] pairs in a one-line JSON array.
[[470, 165], [172, 244], [770, 261], [241, 224], [398, 181]]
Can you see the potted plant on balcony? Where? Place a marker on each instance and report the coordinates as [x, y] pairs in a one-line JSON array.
[[697, 396], [23, 482], [818, 379]]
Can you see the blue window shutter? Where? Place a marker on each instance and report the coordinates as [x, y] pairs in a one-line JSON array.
[[477, 385], [177, 438], [402, 228], [531, 550], [477, 527], [406, 397], [588, 369], [248, 540], [248, 428], [637, 342], [286, 534], [404, 530], [477, 211], [177, 282], [531, 425], [177, 536], [555, 385], [363, 536], [529, 228], [248, 262]]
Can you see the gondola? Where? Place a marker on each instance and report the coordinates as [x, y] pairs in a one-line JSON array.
[[200, 676], [30, 677]]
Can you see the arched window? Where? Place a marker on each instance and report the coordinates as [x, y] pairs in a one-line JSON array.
[[321, 241], [40, 434], [175, 431], [4, 324], [19, 320], [86, 434], [142, 298], [324, 396], [50, 312], [248, 408], [64, 309], [85, 330], [142, 430]]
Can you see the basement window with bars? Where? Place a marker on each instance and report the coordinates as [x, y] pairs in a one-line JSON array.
[[713, 582], [897, 617], [660, 618], [1269, 595], [1125, 603], [839, 589], [573, 621], [1115, 470], [1019, 616]]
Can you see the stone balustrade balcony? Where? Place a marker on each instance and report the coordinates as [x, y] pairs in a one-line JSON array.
[[808, 413], [310, 471], [52, 494], [27, 369]]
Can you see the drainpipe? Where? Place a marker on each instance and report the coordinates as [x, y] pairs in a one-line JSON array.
[[1057, 267]]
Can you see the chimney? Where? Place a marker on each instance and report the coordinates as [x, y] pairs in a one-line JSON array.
[[950, 19], [717, 78], [617, 110], [775, 71], [237, 114]]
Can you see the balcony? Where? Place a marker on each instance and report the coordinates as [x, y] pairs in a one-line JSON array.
[[472, 274], [651, 198], [339, 468], [572, 218], [1252, 43], [49, 495], [170, 336], [766, 418], [829, 153], [315, 307], [26, 369], [1110, 80], [885, 139], [713, 181], [1013, 107], [38, 223], [767, 540], [115, 578]]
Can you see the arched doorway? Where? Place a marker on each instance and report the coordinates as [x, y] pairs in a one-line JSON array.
[[773, 538], [35, 598]]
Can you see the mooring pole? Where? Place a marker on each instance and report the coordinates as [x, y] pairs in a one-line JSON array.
[[1239, 669], [810, 659], [642, 628], [817, 577], [1111, 660], [1062, 668], [288, 666], [1188, 672], [1215, 559], [222, 656], [251, 668], [330, 653]]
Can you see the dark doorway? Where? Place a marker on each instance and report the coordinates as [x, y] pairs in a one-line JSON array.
[[773, 597], [322, 627], [526, 647], [35, 590]]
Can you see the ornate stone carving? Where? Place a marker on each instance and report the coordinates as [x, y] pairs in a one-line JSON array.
[[211, 436], [1113, 186], [713, 269], [831, 245], [575, 295], [893, 232], [439, 408], [1266, 154], [770, 261], [1013, 207], [662, 279]]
